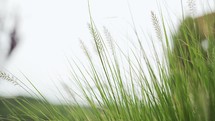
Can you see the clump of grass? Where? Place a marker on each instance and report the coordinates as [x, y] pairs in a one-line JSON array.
[[115, 85]]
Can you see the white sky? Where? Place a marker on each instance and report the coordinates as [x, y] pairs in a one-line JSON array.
[[51, 29]]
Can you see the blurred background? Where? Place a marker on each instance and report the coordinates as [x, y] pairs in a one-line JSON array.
[[49, 32]]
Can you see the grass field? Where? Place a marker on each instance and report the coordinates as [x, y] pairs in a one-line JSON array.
[[179, 88]]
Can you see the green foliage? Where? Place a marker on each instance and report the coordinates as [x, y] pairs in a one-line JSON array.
[[191, 70], [16, 108], [31, 109]]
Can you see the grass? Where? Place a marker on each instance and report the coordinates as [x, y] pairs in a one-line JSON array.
[[116, 87]]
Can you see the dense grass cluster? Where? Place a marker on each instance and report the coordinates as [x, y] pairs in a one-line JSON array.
[[116, 87]]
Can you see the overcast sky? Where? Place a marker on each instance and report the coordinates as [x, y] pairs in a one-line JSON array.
[[51, 30]]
